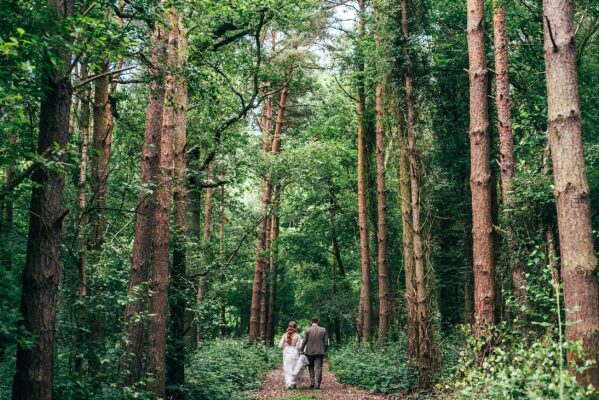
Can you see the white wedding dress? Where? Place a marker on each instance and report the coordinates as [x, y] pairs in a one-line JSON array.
[[291, 355]]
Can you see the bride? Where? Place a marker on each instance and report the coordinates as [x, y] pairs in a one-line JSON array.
[[291, 343]]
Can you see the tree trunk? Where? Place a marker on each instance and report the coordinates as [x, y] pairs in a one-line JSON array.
[[177, 296], [264, 282], [425, 331], [6, 225], [262, 251], [146, 204], [383, 270], [571, 190], [408, 251], [156, 361], [480, 173], [101, 146], [259, 266], [506, 141], [274, 232], [223, 221], [365, 312], [33, 377], [206, 239], [84, 129]]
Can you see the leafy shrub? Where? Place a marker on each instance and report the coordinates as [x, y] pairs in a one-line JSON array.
[[378, 369], [516, 369], [226, 369]]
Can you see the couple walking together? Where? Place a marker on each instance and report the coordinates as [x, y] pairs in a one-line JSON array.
[[298, 353]]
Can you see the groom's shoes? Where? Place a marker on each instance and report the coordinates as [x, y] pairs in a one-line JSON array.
[[311, 386]]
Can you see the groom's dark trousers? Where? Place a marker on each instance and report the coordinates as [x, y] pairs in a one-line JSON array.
[[315, 368]]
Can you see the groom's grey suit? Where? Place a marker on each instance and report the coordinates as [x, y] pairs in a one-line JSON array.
[[315, 344]]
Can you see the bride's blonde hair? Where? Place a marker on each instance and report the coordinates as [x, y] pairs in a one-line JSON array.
[[291, 329]]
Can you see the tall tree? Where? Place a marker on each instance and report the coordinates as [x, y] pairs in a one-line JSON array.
[[156, 357], [571, 191], [383, 269], [206, 239], [426, 346], [407, 235], [506, 140], [146, 204], [34, 372], [221, 235], [365, 312], [84, 129], [480, 171], [177, 296]]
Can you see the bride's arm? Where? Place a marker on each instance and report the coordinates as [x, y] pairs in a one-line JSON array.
[[282, 342], [298, 344]]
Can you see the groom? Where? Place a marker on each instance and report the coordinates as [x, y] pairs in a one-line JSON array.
[[314, 346]]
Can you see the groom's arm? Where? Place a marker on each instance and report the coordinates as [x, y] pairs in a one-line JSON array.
[[326, 340]]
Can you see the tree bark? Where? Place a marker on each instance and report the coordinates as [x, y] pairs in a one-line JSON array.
[[223, 304], [408, 251], [6, 204], [383, 270], [262, 251], [156, 358], [101, 147], [274, 232], [84, 129], [264, 282], [480, 173], [206, 239], [506, 140], [426, 359], [365, 312], [146, 204], [176, 356], [571, 189], [33, 377]]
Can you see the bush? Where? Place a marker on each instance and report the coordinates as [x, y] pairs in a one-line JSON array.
[[378, 369], [515, 368], [226, 369]]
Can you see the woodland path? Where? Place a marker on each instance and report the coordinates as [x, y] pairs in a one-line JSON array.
[[273, 388]]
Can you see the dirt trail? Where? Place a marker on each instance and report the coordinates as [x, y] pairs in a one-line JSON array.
[[273, 388]]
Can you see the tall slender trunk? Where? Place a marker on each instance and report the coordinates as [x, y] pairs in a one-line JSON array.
[[33, 377], [571, 192], [6, 205], [101, 146], [264, 281], [425, 331], [206, 239], [221, 235], [506, 140], [146, 204], [156, 359], [259, 266], [274, 235], [84, 129], [480, 173], [274, 146], [195, 233], [408, 251], [383, 270], [177, 296], [365, 312]]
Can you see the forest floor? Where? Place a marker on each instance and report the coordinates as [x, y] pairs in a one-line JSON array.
[[273, 388]]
